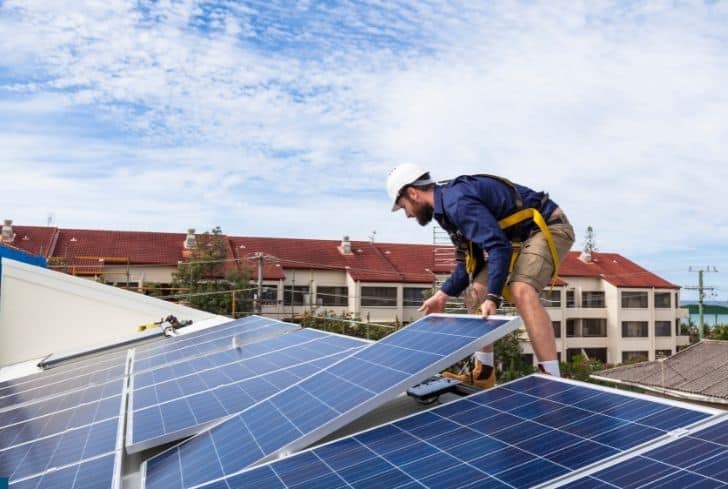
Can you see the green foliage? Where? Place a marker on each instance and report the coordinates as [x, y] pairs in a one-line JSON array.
[[581, 367], [210, 288], [346, 324], [719, 332], [508, 353]]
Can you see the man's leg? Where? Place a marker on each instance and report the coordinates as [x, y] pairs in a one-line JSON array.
[[538, 325]]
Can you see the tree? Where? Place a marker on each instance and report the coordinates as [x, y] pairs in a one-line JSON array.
[[210, 286], [508, 353]]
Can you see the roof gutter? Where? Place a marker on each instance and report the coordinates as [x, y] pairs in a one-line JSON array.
[[662, 390]]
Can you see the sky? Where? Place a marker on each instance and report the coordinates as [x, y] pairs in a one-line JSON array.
[[283, 118]]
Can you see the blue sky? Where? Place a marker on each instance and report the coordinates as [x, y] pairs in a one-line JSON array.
[[282, 118]]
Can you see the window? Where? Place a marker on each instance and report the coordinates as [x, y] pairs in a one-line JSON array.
[[570, 299], [662, 353], [634, 329], [526, 360], [662, 328], [570, 328], [590, 353], [379, 296], [551, 298], [293, 295], [414, 296], [557, 328], [634, 356], [593, 327], [662, 300], [592, 299], [634, 299], [681, 329], [332, 296], [269, 295]]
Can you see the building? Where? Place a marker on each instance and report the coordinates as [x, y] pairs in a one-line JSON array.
[[697, 373], [604, 306]]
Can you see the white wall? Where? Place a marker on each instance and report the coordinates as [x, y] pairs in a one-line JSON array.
[[43, 312]]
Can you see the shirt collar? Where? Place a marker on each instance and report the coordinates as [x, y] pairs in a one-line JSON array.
[[439, 206]]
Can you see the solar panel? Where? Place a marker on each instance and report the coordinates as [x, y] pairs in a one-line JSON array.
[[68, 441], [105, 367], [245, 330], [322, 403], [183, 405], [692, 459], [97, 473], [522, 434], [59, 383]]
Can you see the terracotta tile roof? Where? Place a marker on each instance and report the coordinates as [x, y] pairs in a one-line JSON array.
[[368, 262], [36, 240], [701, 369], [614, 268], [378, 262], [138, 247]]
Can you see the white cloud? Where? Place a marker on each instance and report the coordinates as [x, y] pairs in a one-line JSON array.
[[281, 119]]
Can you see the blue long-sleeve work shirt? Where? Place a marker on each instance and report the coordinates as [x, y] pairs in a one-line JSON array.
[[469, 208]]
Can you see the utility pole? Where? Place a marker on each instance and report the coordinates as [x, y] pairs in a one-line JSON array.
[[701, 293], [259, 301]]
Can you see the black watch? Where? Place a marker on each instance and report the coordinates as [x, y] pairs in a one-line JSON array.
[[497, 299]]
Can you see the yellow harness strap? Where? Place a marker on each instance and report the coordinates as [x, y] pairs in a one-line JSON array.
[[512, 220]]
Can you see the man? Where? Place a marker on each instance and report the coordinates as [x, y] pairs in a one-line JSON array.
[[489, 215]]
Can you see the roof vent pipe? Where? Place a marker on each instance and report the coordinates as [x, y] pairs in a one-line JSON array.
[[7, 232]]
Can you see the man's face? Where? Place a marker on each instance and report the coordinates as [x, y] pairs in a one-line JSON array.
[[415, 207]]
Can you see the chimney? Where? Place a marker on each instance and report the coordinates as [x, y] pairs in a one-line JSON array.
[[345, 247], [589, 246], [7, 232], [190, 243]]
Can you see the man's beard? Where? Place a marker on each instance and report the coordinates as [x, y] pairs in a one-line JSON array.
[[423, 213]]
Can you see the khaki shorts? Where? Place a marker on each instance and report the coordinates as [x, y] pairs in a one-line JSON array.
[[534, 265]]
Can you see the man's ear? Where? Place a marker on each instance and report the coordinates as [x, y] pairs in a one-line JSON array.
[[412, 194]]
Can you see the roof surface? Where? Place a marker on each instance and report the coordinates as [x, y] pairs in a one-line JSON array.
[[367, 262], [615, 269], [700, 369]]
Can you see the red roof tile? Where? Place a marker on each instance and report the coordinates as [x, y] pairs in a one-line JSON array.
[[368, 262], [614, 268], [137, 247], [36, 240], [378, 262]]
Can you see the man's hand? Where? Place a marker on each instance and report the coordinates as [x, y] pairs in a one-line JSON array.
[[488, 308], [436, 303]]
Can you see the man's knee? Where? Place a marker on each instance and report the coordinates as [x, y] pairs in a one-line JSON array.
[[523, 292]]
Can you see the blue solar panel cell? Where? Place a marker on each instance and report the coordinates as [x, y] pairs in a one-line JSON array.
[[316, 406], [694, 460], [92, 474], [455, 445], [22, 461], [59, 421], [164, 413]]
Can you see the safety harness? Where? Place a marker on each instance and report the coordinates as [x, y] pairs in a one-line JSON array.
[[521, 215]]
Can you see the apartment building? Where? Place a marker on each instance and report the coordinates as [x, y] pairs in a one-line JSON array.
[[604, 305]]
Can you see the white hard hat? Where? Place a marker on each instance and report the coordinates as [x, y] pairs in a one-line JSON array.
[[402, 176]]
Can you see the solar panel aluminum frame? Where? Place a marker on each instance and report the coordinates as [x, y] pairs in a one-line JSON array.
[[136, 447], [116, 481], [718, 416], [512, 323], [116, 478]]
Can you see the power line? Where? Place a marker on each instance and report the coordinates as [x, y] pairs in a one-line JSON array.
[[701, 292]]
